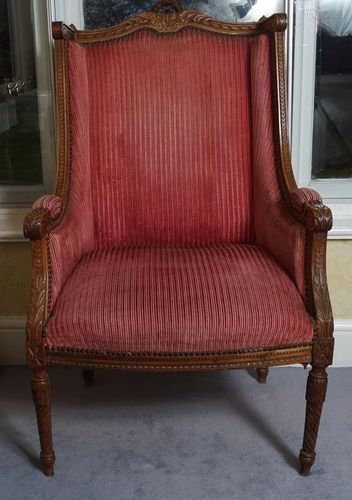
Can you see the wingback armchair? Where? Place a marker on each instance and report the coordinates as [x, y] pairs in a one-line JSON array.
[[176, 239]]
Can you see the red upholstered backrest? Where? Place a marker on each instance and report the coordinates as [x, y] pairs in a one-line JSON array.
[[170, 138]]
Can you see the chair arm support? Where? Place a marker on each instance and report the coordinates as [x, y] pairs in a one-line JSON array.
[[45, 212], [308, 208]]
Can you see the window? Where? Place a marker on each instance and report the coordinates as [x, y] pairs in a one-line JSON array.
[[319, 87], [332, 126], [104, 13], [26, 112], [322, 99]]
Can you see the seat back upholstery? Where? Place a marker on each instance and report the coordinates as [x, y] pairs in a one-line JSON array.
[[168, 119]]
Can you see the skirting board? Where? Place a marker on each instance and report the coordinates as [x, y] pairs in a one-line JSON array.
[[12, 338]]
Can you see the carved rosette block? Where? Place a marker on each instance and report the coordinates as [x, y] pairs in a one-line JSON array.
[[323, 349], [42, 399], [36, 357], [315, 396]]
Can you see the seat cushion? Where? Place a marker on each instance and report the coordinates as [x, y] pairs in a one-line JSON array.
[[178, 299]]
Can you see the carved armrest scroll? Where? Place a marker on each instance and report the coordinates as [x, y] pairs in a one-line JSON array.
[[307, 206]]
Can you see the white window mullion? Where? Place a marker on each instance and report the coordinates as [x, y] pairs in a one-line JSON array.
[[69, 11], [303, 90], [41, 12]]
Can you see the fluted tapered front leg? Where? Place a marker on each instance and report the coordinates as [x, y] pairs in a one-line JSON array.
[[315, 396], [42, 400]]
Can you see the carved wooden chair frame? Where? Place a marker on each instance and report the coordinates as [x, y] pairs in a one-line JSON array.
[[167, 17]]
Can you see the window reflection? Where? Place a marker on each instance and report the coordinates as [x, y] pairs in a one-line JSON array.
[[20, 156], [332, 135], [104, 13]]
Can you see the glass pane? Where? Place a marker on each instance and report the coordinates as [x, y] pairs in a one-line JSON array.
[[20, 150], [104, 13], [332, 133]]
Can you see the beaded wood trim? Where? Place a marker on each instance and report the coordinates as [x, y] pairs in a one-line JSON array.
[[182, 362]]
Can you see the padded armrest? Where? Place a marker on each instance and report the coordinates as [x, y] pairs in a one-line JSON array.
[[50, 202], [300, 197]]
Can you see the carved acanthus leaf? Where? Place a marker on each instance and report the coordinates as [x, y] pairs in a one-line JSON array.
[[317, 217], [41, 391], [39, 291], [316, 387], [168, 17], [36, 224]]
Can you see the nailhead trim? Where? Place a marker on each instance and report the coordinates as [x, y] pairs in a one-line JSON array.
[[174, 354]]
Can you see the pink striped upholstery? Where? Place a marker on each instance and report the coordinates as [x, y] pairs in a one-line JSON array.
[[178, 299], [170, 139], [49, 202], [173, 179], [75, 235], [274, 227], [299, 198]]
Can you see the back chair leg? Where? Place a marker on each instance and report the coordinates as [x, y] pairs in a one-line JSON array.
[[42, 399], [315, 396], [262, 374], [88, 377]]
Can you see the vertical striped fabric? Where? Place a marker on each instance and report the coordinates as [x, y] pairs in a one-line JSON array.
[[170, 139], [75, 236], [274, 228], [178, 299], [173, 179]]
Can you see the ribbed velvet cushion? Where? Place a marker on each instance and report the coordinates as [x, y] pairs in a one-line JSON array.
[[170, 138], [178, 299]]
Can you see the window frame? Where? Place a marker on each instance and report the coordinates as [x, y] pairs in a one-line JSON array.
[[336, 193]]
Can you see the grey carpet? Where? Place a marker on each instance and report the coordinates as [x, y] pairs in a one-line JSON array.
[[175, 437]]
